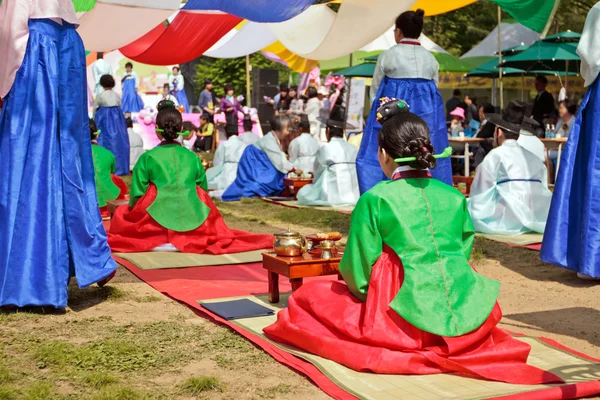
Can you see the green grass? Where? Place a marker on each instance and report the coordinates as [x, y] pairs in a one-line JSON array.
[[198, 385], [8, 393], [120, 393], [99, 380], [274, 391], [38, 391]]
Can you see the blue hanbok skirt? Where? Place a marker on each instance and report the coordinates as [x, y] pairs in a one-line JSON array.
[[50, 224], [113, 136], [182, 99], [131, 102], [425, 100], [256, 177], [572, 237]]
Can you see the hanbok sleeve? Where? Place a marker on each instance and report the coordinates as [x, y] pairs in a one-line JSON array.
[[140, 180], [276, 156], [201, 176], [219, 156], [483, 191], [293, 150], [180, 83], [137, 79], [468, 235], [436, 66], [364, 246], [377, 77]]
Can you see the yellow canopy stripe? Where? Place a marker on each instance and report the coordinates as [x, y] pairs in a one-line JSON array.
[[294, 61], [432, 7]]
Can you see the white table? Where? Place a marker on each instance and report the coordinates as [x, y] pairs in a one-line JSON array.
[[553, 144], [467, 154]]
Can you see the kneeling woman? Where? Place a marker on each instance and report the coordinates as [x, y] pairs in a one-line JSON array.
[[263, 165], [411, 303], [169, 207]]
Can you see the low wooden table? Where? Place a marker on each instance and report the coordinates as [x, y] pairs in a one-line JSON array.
[[467, 154], [296, 269], [294, 185], [112, 205]]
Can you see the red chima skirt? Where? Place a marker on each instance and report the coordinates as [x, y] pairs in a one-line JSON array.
[[124, 189], [133, 231], [326, 319]]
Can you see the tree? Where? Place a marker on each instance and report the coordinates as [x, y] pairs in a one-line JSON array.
[[233, 70]]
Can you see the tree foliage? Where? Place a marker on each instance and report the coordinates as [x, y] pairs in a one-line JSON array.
[[233, 70]]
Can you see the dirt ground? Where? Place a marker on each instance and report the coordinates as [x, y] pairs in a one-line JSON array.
[[127, 341]]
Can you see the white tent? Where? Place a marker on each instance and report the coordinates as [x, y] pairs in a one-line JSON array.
[[387, 40], [511, 35]]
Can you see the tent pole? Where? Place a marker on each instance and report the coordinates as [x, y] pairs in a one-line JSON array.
[[567, 78], [248, 67], [501, 89]]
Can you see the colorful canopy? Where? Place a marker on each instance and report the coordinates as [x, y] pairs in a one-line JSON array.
[[567, 36], [534, 14], [254, 10], [546, 56]]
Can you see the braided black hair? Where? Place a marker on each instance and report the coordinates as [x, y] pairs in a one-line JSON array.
[[404, 134], [169, 120]]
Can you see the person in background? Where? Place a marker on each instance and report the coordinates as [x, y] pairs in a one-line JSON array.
[[335, 181], [109, 117], [225, 165], [453, 102], [249, 137], [189, 135], [279, 97], [324, 111], [136, 144], [544, 101], [303, 149], [457, 124], [204, 139], [100, 67], [486, 131], [206, 101], [263, 165], [312, 109], [167, 96], [406, 71], [170, 182], [470, 110], [132, 102], [296, 103], [108, 185], [567, 109], [231, 107], [177, 86], [510, 195], [409, 302]]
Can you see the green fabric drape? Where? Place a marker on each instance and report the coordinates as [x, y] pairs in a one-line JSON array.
[[533, 14]]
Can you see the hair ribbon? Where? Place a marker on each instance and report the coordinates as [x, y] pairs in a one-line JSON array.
[[184, 133]]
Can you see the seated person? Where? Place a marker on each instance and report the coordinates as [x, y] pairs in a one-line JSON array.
[[263, 165], [335, 181], [249, 137], [527, 138], [410, 302], [169, 208], [109, 117], [457, 124], [108, 185], [189, 136], [510, 195], [303, 149], [225, 164], [486, 131], [136, 144], [205, 137]]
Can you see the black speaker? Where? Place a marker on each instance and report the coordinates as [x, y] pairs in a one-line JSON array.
[[265, 82]]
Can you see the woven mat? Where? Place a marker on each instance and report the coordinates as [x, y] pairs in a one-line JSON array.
[[166, 260], [294, 204], [571, 368], [525, 239]]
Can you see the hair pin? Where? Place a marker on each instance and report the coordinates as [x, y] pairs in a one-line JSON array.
[[184, 133], [444, 154], [97, 132]]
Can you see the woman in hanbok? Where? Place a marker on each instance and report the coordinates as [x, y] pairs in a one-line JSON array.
[[312, 108], [303, 150], [231, 107], [109, 117], [108, 185], [572, 238], [263, 165], [50, 225], [335, 182], [406, 71], [132, 102], [410, 303], [177, 86], [249, 137], [169, 208]]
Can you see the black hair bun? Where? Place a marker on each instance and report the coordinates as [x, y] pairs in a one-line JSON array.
[[420, 13], [164, 104], [389, 108]]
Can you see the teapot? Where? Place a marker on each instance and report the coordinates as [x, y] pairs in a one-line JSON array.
[[289, 243]]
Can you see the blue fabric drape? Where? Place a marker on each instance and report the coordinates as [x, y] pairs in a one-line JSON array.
[[113, 135], [131, 101], [256, 177], [50, 224], [254, 10], [425, 100], [572, 237]]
